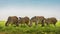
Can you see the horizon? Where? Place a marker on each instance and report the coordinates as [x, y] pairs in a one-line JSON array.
[[30, 8]]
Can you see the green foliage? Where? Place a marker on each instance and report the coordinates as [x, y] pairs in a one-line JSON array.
[[51, 29]]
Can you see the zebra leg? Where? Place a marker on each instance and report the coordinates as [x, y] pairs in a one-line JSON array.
[[7, 23], [36, 23], [42, 23], [30, 23]]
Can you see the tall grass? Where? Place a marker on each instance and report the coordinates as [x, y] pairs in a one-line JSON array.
[[51, 29]]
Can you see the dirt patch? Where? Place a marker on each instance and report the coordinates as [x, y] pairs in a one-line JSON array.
[[2, 33]]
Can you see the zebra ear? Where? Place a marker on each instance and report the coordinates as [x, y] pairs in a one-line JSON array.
[[19, 17]]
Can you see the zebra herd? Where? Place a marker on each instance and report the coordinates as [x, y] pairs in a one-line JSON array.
[[26, 20]]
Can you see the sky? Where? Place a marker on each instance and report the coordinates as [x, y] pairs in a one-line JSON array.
[[30, 8]]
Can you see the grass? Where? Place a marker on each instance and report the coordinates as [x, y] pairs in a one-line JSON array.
[[51, 29]]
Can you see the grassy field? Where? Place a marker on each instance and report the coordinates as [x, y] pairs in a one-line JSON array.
[[51, 29]]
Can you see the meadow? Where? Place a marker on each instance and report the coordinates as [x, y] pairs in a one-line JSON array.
[[50, 29]]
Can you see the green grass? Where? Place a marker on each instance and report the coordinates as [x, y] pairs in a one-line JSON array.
[[51, 29]]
